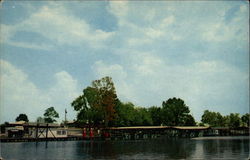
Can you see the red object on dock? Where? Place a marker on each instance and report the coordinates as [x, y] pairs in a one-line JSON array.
[[106, 134], [91, 134], [84, 133]]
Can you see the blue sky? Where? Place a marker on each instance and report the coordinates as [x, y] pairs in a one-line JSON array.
[[195, 50]]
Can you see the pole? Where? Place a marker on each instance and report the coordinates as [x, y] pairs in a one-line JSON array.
[[47, 126], [65, 120], [37, 126]]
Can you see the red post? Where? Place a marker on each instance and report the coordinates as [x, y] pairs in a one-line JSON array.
[[91, 134], [84, 133]]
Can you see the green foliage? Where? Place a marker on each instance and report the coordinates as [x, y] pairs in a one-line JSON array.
[[214, 119], [142, 117], [22, 117], [156, 115], [234, 120], [189, 120], [125, 114], [98, 102], [50, 115], [245, 119], [129, 115], [176, 113]]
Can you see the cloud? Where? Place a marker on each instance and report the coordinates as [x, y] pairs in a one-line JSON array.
[[20, 95], [157, 50], [58, 26]]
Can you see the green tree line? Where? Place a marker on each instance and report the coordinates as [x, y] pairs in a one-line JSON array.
[[99, 105]]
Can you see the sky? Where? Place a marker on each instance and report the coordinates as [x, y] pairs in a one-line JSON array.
[[194, 50]]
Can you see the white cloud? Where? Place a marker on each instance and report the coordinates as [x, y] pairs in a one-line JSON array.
[[20, 95], [58, 26], [119, 9]]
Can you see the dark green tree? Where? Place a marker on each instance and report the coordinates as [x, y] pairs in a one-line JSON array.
[[156, 115], [234, 120], [189, 120], [22, 117], [175, 112], [245, 119], [50, 115]]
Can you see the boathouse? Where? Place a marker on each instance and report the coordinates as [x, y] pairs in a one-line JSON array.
[[145, 132], [22, 129]]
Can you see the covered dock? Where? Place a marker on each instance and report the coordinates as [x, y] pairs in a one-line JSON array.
[[145, 132]]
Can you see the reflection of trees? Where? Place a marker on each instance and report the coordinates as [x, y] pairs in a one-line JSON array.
[[168, 148]]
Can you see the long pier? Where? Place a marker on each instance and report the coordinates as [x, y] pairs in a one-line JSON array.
[[135, 133]]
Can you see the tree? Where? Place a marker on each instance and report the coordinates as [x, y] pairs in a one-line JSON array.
[[97, 103], [142, 117], [40, 120], [214, 119], [189, 120], [245, 119], [156, 115], [50, 115], [234, 120], [175, 112], [22, 117], [125, 114]]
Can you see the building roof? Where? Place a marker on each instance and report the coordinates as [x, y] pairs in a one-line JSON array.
[[159, 127], [17, 123], [139, 127], [190, 127], [34, 124]]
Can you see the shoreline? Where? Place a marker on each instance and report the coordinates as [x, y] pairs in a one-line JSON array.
[[16, 140]]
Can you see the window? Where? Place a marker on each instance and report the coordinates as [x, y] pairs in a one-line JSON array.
[[59, 132]]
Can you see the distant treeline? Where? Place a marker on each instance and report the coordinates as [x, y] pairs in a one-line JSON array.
[[99, 105]]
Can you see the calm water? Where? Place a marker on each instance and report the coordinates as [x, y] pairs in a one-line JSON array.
[[200, 148]]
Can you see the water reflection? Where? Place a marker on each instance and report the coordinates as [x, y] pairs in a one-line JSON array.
[[222, 147], [139, 149], [168, 148]]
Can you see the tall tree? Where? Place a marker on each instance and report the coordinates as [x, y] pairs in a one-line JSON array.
[[175, 112], [50, 115], [22, 117], [97, 102]]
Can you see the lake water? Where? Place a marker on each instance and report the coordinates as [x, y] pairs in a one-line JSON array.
[[198, 148]]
